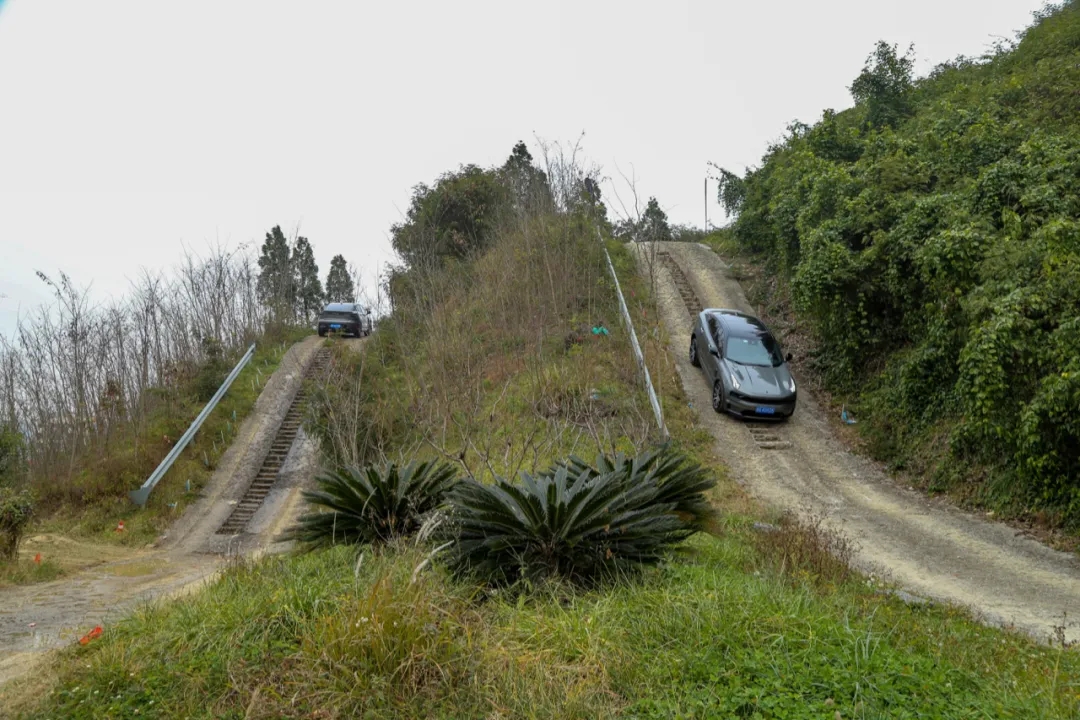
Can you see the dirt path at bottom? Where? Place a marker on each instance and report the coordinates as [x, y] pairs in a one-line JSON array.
[[37, 618], [927, 546]]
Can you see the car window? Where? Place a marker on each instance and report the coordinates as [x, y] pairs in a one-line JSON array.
[[714, 332], [761, 349]]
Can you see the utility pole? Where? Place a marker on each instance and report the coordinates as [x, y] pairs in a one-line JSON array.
[[706, 203]]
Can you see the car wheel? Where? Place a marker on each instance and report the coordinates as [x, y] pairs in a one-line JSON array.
[[693, 354], [718, 396]]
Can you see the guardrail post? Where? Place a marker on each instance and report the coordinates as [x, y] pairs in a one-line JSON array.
[[140, 496]]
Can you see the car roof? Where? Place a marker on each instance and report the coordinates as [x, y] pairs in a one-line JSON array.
[[339, 307], [737, 323]]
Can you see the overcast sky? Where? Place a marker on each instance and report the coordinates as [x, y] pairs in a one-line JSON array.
[[132, 128]]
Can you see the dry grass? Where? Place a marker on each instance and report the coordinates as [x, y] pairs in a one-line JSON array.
[[805, 550]]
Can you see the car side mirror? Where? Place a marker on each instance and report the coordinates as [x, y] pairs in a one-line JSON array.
[[368, 311], [788, 357]]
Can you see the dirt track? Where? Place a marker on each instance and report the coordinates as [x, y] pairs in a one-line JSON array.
[[926, 546], [37, 618]]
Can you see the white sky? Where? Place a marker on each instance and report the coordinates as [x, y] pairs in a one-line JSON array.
[[130, 128]]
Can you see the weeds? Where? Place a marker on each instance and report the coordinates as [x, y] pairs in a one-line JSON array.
[[698, 637], [23, 571], [397, 639], [805, 549]]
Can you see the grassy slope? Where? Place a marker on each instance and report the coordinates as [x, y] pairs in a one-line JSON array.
[[107, 479], [721, 631]]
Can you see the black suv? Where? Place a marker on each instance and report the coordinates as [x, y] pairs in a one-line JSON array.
[[345, 318]]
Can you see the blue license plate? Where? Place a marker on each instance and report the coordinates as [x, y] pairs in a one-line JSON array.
[[335, 327], [765, 410]]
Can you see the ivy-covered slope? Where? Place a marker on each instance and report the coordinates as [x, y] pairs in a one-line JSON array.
[[930, 238]]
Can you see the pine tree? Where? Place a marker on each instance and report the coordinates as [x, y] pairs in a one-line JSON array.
[[528, 184], [276, 286], [339, 286], [309, 291], [654, 223]]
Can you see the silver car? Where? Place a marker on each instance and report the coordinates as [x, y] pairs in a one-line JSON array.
[[744, 364]]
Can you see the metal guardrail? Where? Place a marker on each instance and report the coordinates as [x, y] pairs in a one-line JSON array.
[[140, 496], [634, 342]]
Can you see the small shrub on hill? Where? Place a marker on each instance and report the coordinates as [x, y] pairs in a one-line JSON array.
[[576, 521], [16, 509], [374, 504]]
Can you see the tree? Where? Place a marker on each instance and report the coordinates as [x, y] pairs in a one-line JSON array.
[[11, 456], [454, 218], [339, 286], [276, 285], [309, 290], [528, 184], [654, 223], [884, 85], [730, 191]]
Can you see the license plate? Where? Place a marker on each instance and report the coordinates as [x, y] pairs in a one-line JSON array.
[[335, 327], [765, 410]]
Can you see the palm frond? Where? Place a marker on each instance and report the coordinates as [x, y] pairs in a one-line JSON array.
[[373, 504]]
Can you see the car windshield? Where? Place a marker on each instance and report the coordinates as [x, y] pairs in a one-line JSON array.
[[759, 350]]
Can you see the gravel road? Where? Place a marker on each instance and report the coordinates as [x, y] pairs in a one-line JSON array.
[[926, 546]]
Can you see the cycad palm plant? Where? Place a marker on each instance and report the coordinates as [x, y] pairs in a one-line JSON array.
[[577, 521], [681, 483], [373, 504]]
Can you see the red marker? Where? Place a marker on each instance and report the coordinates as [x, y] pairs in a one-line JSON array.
[[95, 633]]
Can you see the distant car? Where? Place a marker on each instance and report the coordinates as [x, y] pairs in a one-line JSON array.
[[345, 318], [744, 364]]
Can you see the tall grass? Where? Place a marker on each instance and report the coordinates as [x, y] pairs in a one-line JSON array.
[[323, 635], [489, 363]]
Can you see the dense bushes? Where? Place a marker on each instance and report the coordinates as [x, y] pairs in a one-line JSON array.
[[931, 238]]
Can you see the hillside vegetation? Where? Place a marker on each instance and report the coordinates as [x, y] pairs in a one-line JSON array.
[[93, 396], [929, 238], [489, 363]]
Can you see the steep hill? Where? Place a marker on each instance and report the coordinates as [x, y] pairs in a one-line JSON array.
[[929, 238]]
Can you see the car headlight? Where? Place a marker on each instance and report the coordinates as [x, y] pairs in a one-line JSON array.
[[735, 381], [790, 385]]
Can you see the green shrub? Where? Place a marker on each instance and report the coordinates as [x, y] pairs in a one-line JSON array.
[[16, 508], [678, 482], [373, 504], [576, 521], [929, 239]]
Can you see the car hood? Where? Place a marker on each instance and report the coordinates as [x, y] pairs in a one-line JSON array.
[[760, 381]]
